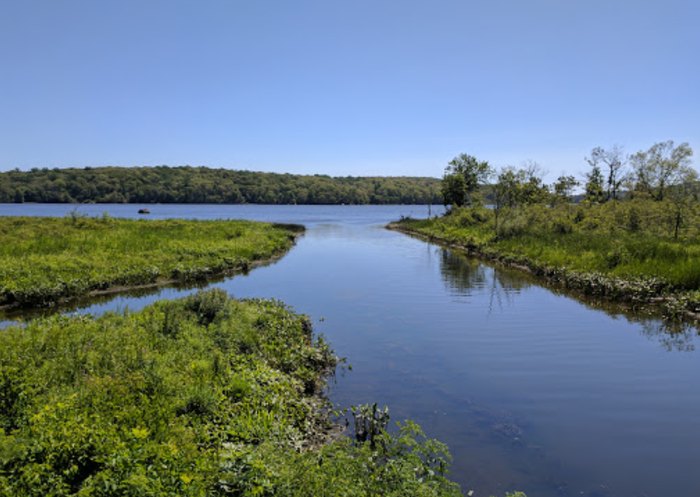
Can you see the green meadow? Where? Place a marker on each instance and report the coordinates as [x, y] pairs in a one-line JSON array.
[[46, 260]]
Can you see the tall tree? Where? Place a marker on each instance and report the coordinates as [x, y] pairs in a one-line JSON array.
[[661, 167], [594, 185], [683, 197], [564, 187], [506, 194], [454, 190], [463, 176], [532, 187], [612, 161]]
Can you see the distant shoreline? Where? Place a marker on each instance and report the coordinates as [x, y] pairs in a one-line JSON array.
[[202, 185]]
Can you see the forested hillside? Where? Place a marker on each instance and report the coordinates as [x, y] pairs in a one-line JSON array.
[[164, 184]]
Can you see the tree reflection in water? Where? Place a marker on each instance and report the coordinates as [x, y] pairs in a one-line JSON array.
[[672, 335], [460, 273], [466, 275]]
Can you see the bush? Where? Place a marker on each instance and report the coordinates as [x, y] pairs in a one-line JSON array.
[[207, 305]]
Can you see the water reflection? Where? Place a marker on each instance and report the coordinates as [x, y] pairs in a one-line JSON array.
[[133, 298], [584, 390], [671, 335], [463, 275], [460, 273]]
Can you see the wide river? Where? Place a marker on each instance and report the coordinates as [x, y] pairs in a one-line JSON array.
[[530, 389]]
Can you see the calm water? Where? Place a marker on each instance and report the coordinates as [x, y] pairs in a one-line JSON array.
[[530, 389]]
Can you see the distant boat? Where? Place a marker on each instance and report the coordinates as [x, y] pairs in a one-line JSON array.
[[144, 211]]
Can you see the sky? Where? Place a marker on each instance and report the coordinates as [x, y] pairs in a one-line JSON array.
[[348, 87]]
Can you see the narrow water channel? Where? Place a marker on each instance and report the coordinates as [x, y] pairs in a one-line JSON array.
[[531, 390]]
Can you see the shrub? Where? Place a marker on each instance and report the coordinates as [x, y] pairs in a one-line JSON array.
[[207, 305]]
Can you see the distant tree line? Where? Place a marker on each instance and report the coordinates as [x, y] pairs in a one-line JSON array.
[[187, 184]]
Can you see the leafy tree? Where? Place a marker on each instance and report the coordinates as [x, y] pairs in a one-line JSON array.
[[463, 176], [594, 185], [533, 189], [454, 190], [613, 162], [505, 193], [661, 167], [563, 188], [506, 190], [516, 187], [683, 197]]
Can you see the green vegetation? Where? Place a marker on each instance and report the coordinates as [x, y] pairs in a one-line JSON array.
[[44, 260], [619, 250], [208, 186], [203, 396], [631, 239], [463, 177], [639, 243]]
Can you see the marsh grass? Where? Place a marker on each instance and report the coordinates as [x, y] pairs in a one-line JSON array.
[[44, 260], [203, 396]]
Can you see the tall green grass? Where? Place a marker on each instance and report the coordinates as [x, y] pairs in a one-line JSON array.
[[43, 260]]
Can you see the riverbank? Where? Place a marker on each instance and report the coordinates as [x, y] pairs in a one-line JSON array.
[[46, 261], [595, 258], [205, 395]]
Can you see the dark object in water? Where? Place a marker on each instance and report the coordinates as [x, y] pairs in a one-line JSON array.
[[144, 211]]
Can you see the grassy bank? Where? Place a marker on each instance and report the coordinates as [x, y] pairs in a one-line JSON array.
[[204, 396], [45, 260], [618, 250]]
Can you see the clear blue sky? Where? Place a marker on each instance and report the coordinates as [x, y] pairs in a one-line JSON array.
[[344, 87]]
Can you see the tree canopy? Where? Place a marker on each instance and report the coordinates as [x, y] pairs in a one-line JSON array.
[[187, 185], [662, 166], [463, 176]]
